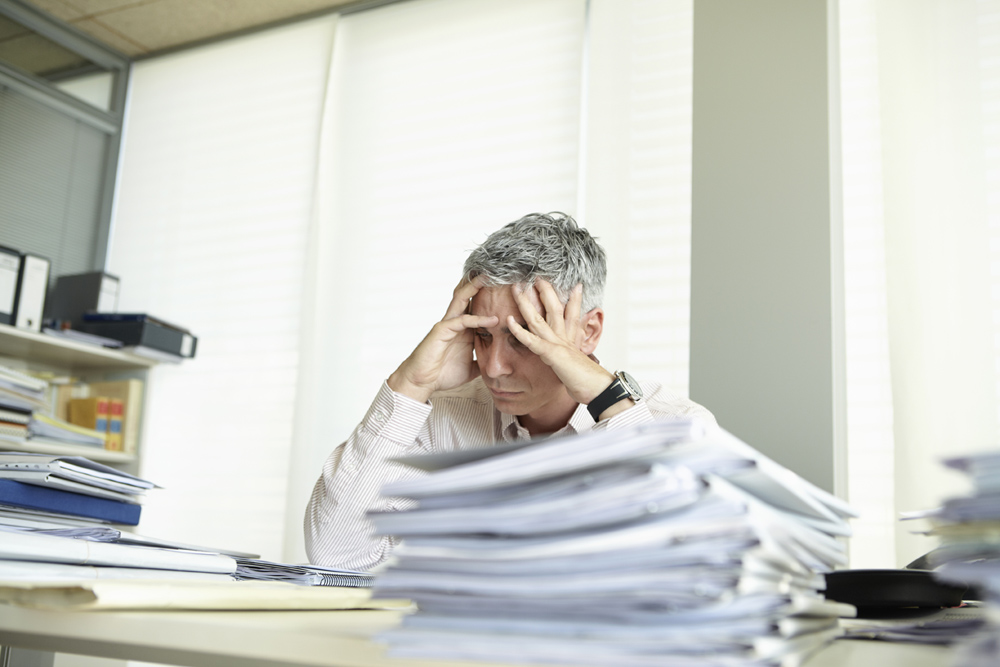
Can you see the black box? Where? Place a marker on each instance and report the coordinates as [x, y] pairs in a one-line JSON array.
[[141, 330], [81, 293]]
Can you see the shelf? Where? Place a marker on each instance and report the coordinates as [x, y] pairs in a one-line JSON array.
[[65, 449], [42, 348]]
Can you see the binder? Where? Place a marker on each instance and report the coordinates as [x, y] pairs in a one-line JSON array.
[[10, 266], [80, 293], [141, 330], [28, 496], [32, 285]]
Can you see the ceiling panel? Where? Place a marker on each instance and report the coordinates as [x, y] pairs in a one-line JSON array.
[[141, 27]]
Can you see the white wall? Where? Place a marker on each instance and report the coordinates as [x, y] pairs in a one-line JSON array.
[[763, 254]]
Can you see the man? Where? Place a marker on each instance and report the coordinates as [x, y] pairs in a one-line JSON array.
[[513, 358]]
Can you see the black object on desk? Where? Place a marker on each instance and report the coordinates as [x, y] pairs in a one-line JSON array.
[[878, 592]]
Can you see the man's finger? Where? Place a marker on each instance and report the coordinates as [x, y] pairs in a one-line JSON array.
[[534, 319], [553, 306], [575, 305], [467, 321], [527, 338], [464, 291]]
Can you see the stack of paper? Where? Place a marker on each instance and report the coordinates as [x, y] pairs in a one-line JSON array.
[[50, 531], [252, 569], [669, 544], [969, 529], [20, 395], [68, 487], [45, 427], [20, 391]]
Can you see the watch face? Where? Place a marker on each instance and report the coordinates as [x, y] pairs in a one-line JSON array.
[[631, 385]]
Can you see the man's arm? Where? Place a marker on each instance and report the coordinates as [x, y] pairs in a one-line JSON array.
[[337, 532], [443, 359]]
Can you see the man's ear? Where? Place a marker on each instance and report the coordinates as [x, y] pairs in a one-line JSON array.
[[592, 327]]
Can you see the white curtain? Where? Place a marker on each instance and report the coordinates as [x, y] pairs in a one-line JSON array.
[[213, 205], [921, 136], [304, 200]]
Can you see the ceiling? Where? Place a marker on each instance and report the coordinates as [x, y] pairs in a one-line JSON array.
[[141, 27]]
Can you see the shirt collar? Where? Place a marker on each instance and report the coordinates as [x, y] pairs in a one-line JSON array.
[[512, 431]]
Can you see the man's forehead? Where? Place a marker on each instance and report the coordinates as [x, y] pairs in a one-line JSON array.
[[502, 296]]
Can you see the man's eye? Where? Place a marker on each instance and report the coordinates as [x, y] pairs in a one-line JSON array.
[[482, 335]]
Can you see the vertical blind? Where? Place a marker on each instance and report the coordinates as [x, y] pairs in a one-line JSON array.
[[51, 180], [870, 439], [445, 120], [214, 199], [637, 188]]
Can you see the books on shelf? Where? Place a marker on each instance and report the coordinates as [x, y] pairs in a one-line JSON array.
[[91, 412], [672, 543], [124, 406]]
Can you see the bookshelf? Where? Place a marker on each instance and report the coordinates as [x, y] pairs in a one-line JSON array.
[[65, 355], [27, 350]]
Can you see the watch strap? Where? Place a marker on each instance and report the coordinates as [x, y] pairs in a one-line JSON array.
[[615, 392]]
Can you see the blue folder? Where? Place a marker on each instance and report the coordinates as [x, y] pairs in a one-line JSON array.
[[30, 496]]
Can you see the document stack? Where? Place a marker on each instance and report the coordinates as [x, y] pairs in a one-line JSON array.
[[56, 516], [673, 543], [23, 404], [20, 395], [66, 490], [969, 555]]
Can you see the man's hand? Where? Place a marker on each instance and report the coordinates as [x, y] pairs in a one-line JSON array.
[[443, 359], [558, 336]]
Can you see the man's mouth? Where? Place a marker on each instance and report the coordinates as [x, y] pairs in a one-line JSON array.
[[503, 394]]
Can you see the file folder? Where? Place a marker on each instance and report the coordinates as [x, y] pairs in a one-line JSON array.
[[32, 285], [140, 329], [10, 266], [29, 496]]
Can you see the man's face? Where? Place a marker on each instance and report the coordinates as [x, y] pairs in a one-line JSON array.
[[521, 383]]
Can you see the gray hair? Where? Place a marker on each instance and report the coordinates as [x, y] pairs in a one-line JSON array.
[[549, 246]]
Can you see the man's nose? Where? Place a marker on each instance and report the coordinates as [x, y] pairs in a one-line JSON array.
[[495, 362]]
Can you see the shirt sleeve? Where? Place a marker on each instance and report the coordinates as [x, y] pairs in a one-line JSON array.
[[337, 531], [658, 404]]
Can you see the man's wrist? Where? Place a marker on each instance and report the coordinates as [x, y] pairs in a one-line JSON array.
[[621, 394], [617, 408], [399, 384]]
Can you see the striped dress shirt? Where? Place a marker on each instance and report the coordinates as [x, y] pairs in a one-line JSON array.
[[337, 530]]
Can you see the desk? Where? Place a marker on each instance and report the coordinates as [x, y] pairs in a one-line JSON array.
[[301, 639]]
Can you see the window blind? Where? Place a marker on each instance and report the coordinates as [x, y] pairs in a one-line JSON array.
[[638, 180], [51, 178], [445, 120], [870, 440], [217, 178]]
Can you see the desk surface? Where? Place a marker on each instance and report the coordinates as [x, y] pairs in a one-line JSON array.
[[301, 639]]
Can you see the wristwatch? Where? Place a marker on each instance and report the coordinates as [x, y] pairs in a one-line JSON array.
[[623, 387]]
